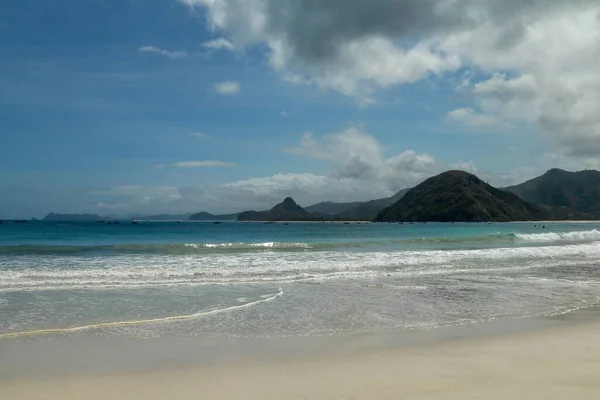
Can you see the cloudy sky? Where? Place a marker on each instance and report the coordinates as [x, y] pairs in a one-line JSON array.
[[170, 106]]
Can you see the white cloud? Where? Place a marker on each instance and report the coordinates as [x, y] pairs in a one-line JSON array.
[[468, 116], [284, 113], [219, 44], [553, 81], [570, 163], [227, 88], [199, 135], [540, 57], [197, 164], [355, 154], [468, 166], [162, 52], [358, 170]]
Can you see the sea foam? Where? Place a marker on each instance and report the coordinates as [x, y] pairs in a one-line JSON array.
[[552, 236]]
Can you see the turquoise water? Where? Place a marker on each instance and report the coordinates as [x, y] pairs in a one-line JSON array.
[[260, 280]]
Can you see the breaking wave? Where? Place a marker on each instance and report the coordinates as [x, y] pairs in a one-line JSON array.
[[566, 236], [58, 272], [195, 248]]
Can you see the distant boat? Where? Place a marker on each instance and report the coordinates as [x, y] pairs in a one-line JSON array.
[[217, 223], [20, 221], [133, 222]]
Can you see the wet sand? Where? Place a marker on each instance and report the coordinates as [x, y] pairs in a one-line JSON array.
[[560, 362]]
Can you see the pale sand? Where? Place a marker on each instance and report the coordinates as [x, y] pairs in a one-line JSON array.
[[557, 363]]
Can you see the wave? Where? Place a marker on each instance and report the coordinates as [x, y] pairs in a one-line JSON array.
[[250, 246], [33, 273], [231, 247], [263, 299], [565, 236], [166, 248]]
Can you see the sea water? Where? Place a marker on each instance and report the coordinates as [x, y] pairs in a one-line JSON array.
[[256, 280]]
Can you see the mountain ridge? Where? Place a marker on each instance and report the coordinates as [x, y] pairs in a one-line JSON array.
[[459, 196], [579, 191]]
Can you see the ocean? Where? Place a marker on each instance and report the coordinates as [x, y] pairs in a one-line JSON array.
[[256, 280]]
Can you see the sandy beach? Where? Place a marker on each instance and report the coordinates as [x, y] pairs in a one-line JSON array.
[[554, 363]]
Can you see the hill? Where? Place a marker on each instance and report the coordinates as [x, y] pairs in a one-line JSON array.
[[368, 210], [163, 217], [332, 208], [205, 216], [579, 191], [358, 210], [288, 210], [458, 196]]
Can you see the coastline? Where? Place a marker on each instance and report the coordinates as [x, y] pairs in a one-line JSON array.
[[559, 359]]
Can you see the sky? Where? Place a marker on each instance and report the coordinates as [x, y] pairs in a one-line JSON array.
[[120, 107]]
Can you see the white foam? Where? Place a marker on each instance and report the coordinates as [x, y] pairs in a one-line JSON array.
[[554, 236], [243, 246], [130, 271]]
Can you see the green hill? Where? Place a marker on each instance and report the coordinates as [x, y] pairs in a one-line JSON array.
[[579, 191], [458, 196]]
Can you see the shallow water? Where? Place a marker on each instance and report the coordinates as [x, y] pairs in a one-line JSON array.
[[275, 280]]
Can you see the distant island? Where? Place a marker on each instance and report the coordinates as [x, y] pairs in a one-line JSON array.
[[287, 210], [72, 217], [162, 217], [95, 217], [205, 216], [452, 196]]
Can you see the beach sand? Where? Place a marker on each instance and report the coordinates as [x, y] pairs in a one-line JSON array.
[[554, 363]]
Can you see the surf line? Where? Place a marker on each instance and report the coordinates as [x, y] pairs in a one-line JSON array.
[[14, 335]]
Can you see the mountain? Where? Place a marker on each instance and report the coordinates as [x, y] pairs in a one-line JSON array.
[[205, 216], [368, 210], [579, 191], [72, 217], [331, 208], [288, 210], [163, 217], [458, 196], [358, 210]]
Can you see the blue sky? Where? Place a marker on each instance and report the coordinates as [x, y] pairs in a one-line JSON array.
[[114, 107]]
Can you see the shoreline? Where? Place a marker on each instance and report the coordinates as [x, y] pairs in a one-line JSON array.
[[559, 359]]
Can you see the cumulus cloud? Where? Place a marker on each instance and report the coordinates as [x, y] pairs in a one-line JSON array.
[[355, 154], [227, 88], [538, 59], [162, 52], [570, 163], [359, 169], [219, 44], [197, 164], [469, 117]]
